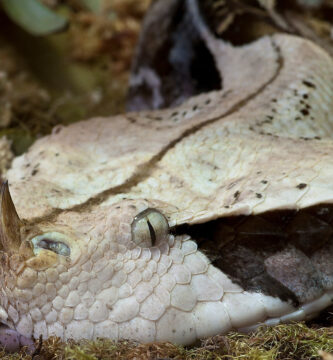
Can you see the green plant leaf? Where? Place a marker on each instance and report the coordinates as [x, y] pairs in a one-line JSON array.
[[93, 5], [33, 16]]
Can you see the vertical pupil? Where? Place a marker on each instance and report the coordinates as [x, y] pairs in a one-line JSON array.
[[152, 232]]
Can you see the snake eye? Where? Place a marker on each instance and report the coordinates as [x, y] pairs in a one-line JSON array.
[[149, 228], [50, 241]]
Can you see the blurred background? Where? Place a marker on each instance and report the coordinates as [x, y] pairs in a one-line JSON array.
[[66, 60], [63, 61]]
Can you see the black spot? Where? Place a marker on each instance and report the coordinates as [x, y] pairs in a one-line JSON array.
[[195, 107], [236, 194], [57, 129], [208, 101], [259, 196], [34, 172], [264, 181], [131, 120], [301, 186], [317, 137], [174, 113], [309, 84], [305, 112], [305, 96], [56, 154]]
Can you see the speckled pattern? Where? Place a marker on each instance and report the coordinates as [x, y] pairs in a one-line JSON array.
[[261, 143], [6, 155]]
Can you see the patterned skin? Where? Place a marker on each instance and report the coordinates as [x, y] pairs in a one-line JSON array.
[[93, 256]]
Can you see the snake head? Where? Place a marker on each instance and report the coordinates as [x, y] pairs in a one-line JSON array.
[[113, 271], [117, 271]]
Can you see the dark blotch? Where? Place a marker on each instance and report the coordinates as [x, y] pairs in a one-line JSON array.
[[309, 84], [301, 186]]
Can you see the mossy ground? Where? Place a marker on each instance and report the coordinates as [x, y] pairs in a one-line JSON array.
[[284, 342]]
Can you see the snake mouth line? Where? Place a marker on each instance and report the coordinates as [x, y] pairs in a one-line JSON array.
[[305, 312]]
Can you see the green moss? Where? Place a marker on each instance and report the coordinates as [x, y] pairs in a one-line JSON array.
[[283, 342], [296, 341]]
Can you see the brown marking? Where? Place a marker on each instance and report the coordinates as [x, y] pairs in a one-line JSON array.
[[10, 223], [44, 260]]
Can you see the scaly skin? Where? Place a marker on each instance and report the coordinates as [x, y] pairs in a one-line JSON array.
[[201, 161]]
